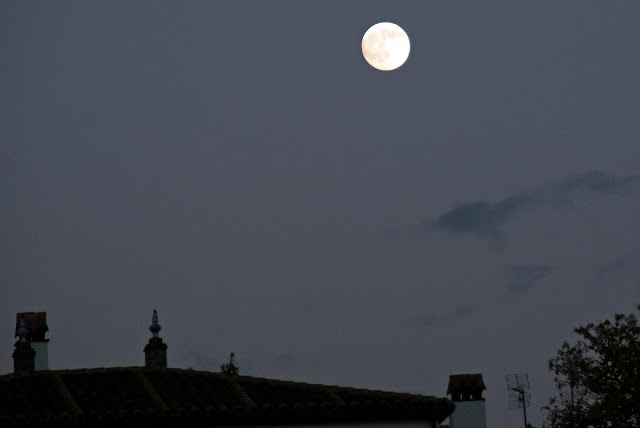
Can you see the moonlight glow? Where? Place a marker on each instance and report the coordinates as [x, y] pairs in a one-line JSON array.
[[385, 46]]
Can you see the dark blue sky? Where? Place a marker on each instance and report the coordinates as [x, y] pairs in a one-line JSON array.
[[241, 168]]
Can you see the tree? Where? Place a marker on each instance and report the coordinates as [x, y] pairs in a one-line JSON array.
[[598, 378], [230, 366]]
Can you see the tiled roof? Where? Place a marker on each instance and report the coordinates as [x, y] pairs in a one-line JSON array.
[[177, 397], [36, 322], [465, 383]]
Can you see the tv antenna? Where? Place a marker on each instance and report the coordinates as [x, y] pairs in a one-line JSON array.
[[519, 396]]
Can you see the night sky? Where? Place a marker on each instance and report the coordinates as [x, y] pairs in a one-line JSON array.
[[239, 167]]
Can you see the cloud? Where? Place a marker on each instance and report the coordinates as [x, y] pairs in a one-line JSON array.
[[622, 269], [459, 312], [484, 219], [428, 321], [480, 218], [614, 265], [523, 277]]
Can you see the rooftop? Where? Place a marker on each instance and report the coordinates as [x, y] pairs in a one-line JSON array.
[[179, 397]]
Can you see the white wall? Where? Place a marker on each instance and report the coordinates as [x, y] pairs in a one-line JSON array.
[[469, 414], [41, 361]]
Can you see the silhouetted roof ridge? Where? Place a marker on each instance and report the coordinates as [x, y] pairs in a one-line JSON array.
[[191, 397], [190, 371]]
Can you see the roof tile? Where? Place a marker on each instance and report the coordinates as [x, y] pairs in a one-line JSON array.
[[188, 397]]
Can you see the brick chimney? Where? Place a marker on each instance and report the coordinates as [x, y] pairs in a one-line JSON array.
[[155, 352], [23, 355], [466, 394], [36, 323]]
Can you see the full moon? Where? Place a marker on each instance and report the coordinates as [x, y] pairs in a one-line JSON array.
[[385, 46]]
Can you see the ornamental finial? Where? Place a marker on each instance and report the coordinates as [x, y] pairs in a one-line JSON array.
[[154, 328], [23, 331]]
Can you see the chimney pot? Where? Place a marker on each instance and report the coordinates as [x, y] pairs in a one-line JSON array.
[[466, 393], [23, 355], [36, 328]]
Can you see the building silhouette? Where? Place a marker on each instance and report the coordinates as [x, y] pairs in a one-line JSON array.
[[157, 395]]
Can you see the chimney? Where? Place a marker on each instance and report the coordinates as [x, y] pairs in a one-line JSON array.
[[36, 324], [155, 352], [466, 394], [23, 355]]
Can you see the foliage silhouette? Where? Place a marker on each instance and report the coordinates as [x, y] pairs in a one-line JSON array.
[[598, 378], [230, 366]]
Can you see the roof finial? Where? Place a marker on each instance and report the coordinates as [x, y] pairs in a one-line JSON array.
[[154, 328], [155, 352], [23, 331]]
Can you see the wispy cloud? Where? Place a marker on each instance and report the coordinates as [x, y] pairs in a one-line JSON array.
[[614, 265], [459, 312], [620, 269], [521, 278], [486, 219]]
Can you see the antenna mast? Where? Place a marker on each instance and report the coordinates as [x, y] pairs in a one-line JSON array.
[[519, 396]]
